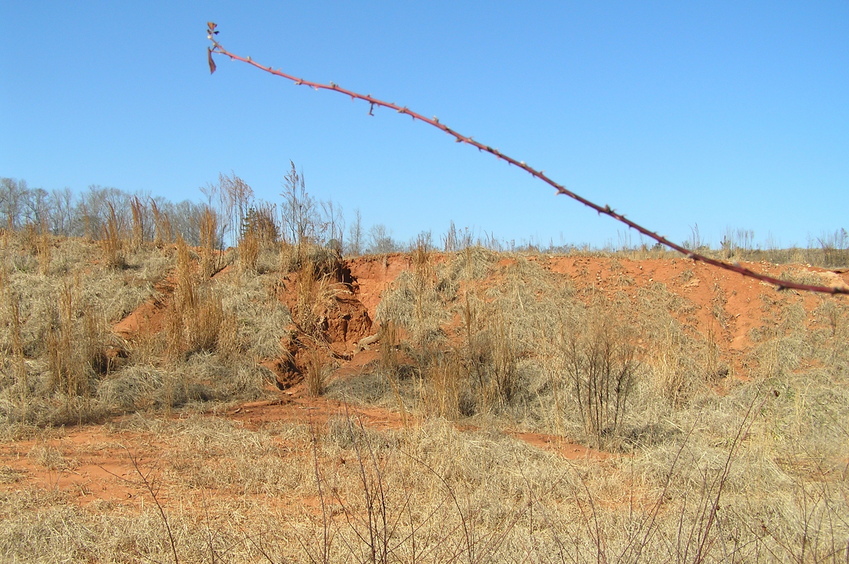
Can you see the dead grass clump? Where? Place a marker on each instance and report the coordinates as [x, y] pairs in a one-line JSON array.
[[472, 263], [322, 261], [209, 242], [249, 247], [260, 318], [76, 342], [259, 232], [131, 389], [682, 357], [488, 355], [112, 239], [316, 372], [444, 388], [195, 318], [163, 231], [315, 292], [414, 305], [681, 367], [37, 240]]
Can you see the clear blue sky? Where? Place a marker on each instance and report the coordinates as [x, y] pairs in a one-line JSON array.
[[720, 114]]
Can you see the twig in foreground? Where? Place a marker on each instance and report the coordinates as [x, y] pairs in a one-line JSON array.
[[217, 48]]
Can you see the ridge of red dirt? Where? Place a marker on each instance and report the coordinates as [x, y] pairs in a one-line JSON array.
[[94, 464], [724, 304]]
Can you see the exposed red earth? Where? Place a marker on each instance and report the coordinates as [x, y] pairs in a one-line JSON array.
[[95, 462]]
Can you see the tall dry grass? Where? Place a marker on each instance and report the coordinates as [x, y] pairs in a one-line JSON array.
[[706, 477], [195, 317], [342, 492]]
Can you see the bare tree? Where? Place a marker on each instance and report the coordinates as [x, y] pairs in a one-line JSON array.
[[355, 235], [61, 206], [300, 217], [231, 198], [380, 240], [12, 195]]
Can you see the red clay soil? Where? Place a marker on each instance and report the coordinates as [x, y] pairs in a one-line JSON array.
[[95, 464], [149, 317], [724, 304], [88, 463]]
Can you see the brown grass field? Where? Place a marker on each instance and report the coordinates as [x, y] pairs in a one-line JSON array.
[[273, 403]]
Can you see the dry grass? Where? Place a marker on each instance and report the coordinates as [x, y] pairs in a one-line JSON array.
[[61, 362], [713, 470], [316, 372], [433, 494]]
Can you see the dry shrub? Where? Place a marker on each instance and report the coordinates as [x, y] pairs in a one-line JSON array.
[[112, 240], [162, 229], [249, 247], [316, 372], [138, 213], [76, 345], [208, 242], [195, 319], [601, 367]]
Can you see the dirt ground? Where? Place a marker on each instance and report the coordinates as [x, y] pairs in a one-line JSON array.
[[101, 462]]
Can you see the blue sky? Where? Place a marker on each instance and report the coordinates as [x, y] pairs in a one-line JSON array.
[[725, 115]]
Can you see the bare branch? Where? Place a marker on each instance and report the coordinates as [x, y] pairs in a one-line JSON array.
[[780, 284]]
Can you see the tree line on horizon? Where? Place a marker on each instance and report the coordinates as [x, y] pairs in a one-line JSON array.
[[296, 219]]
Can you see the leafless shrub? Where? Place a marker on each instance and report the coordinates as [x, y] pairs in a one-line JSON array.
[[835, 248], [601, 366]]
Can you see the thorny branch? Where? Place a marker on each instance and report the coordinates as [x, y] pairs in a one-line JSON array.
[[217, 49]]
